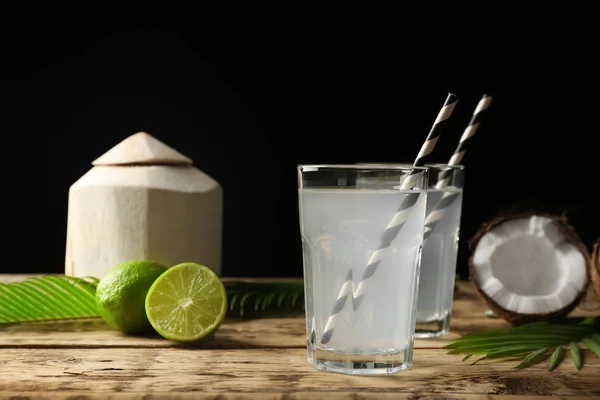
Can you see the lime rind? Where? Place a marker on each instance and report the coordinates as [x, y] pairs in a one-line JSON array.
[[121, 295], [187, 303]]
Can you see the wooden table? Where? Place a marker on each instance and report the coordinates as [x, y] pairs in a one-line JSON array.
[[259, 359]]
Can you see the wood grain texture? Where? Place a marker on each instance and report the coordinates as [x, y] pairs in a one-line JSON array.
[[62, 395], [234, 333], [273, 370], [261, 358]]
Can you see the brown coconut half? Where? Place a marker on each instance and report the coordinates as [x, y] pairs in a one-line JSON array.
[[595, 268], [529, 266]]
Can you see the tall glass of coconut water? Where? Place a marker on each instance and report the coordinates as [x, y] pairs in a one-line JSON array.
[[440, 249], [362, 235]]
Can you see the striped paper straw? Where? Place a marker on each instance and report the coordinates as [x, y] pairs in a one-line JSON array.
[[395, 224], [448, 198]]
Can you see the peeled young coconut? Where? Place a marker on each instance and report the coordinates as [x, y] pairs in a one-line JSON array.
[[529, 266], [595, 268]]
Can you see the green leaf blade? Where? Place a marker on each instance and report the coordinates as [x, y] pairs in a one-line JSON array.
[[29, 298], [45, 289], [533, 338], [12, 304], [592, 345], [295, 298], [280, 299], [70, 290], [243, 300], [556, 358], [256, 299], [233, 298], [516, 336], [575, 352], [48, 298], [57, 308], [533, 358], [35, 297], [492, 346], [87, 287], [268, 301], [511, 351]]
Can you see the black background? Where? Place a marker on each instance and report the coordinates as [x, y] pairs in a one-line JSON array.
[[250, 94]]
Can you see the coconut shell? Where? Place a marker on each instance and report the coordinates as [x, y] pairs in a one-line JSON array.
[[595, 268], [571, 236]]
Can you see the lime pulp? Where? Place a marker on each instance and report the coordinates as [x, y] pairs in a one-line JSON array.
[[187, 303]]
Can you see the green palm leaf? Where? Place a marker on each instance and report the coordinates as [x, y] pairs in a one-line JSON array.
[[256, 299], [58, 297], [47, 298], [531, 342]]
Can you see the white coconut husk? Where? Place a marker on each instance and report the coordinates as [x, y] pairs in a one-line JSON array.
[[143, 200]]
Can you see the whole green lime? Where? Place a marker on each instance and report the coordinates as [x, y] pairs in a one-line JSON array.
[[121, 295]]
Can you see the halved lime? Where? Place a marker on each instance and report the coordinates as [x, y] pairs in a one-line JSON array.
[[186, 303]]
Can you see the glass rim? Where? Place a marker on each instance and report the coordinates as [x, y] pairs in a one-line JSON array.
[[374, 167], [428, 165]]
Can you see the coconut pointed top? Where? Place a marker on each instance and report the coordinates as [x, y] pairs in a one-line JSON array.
[[142, 148]]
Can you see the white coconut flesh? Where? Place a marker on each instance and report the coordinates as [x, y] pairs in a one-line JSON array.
[[526, 266]]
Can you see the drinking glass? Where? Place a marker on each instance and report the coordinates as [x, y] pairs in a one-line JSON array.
[[440, 250], [440, 247], [362, 236]]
